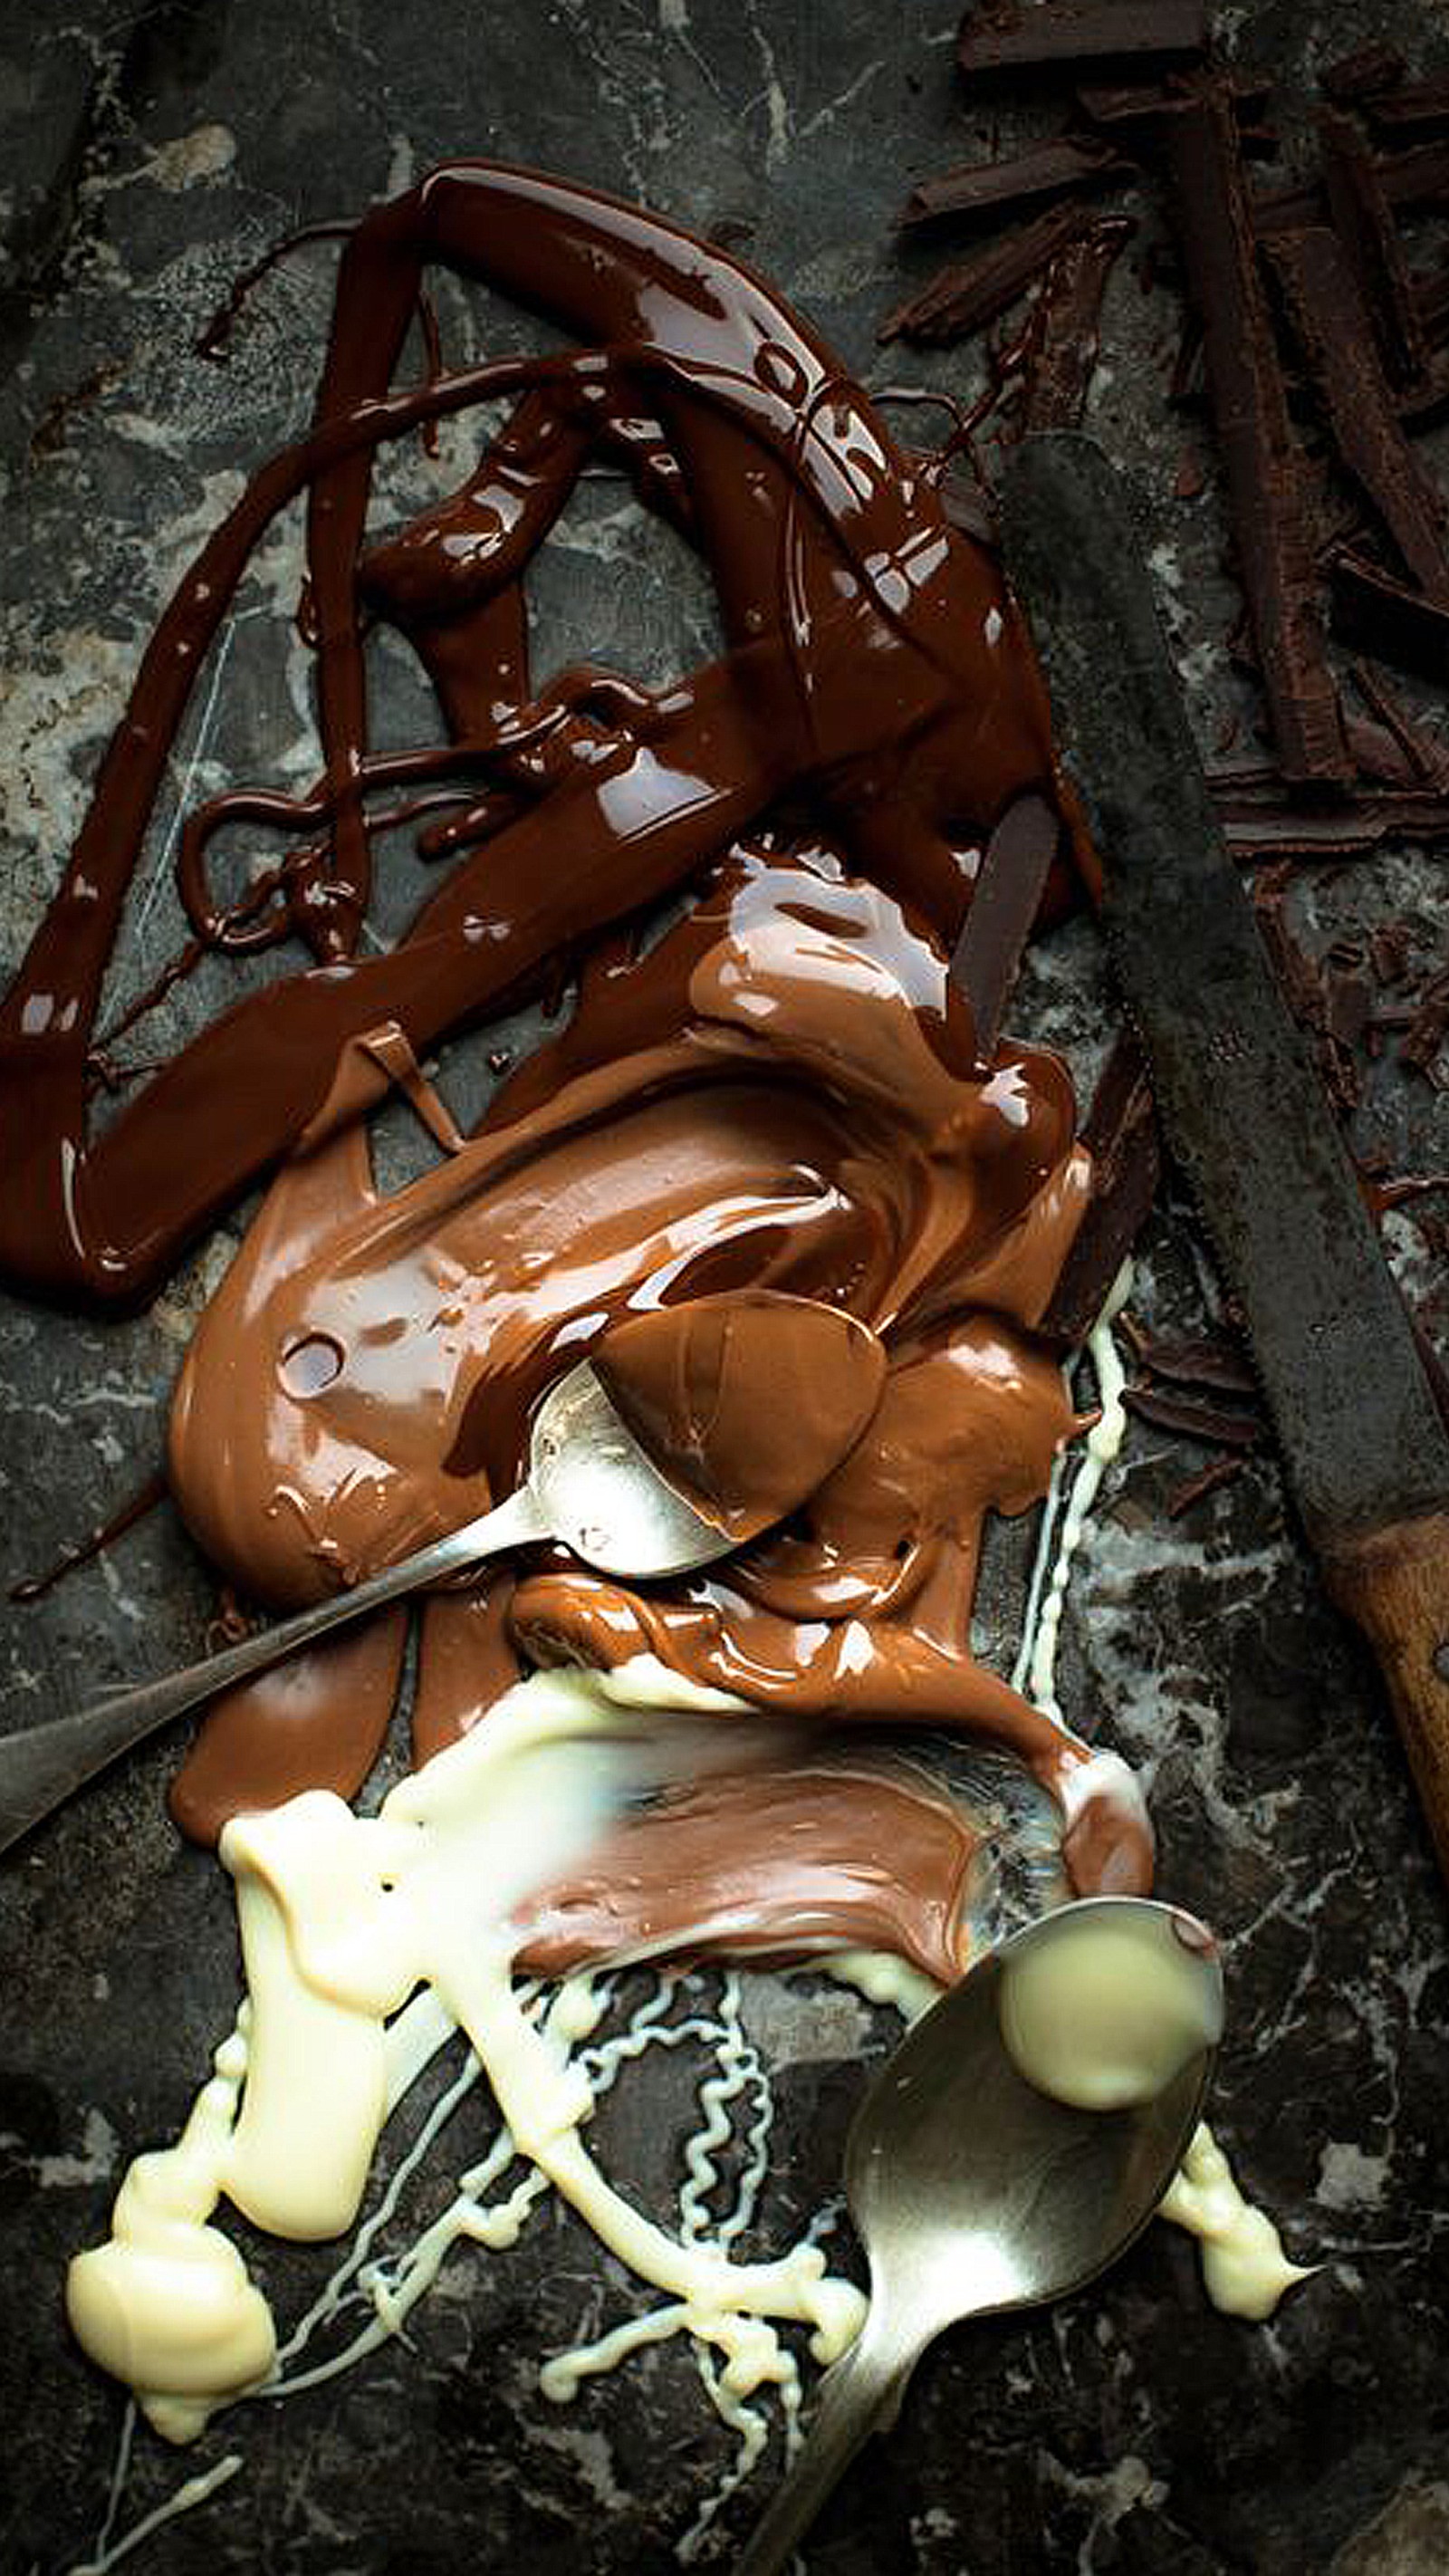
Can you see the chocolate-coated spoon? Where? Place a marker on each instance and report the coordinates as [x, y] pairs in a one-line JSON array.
[[974, 2191], [590, 1484]]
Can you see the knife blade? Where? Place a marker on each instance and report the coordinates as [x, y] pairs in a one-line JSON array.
[[1366, 1450]]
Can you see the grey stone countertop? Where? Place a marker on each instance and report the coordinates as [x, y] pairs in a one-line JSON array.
[[151, 154]]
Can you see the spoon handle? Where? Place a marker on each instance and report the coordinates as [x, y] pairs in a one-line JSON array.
[[43, 1764], [854, 2396]]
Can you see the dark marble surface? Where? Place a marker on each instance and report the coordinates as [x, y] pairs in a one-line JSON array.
[[149, 155]]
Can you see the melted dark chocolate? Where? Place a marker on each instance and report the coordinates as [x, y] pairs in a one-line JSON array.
[[787, 1094]]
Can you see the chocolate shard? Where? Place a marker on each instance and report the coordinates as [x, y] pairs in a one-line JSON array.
[[1004, 904], [1431, 302], [1412, 103], [1121, 1135], [1419, 177], [1384, 617], [1322, 295], [971, 292], [1429, 1026], [1262, 465], [1066, 161], [1218, 1471], [1064, 354], [1364, 222], [1222, 1365], [1425, 754], [1127, 102], [1210, 1423], [1008, 38], [1286, 210], [1363, 74]]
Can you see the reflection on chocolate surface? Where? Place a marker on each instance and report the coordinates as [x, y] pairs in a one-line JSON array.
[[744, 1403], [786, 1093]]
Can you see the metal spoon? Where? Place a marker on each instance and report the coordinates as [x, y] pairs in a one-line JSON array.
[[974, 2194], [589, 1484]]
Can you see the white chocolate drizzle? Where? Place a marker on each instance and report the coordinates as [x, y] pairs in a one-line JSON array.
[[526, 2039], [1036, 1662]]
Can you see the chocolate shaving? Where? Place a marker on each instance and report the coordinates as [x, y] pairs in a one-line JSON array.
[[1418, 177], [1067, 161], [1382, 616], [1287, 211], [1364, 223], [1206, 1422], [1121, 1135], [1423, 102], [1323, 297], [1428, 759], [1378, 754], [971, 292], [1064, 353], [1071, 33], [1389, 943], [1434, 1369], [1431, 302], [1218, 1471], [1364, 74], [1004, 904], [1264, 480], [1198, 1362], [1429, 1026]]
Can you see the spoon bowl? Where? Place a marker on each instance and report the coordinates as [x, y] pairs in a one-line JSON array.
[[975, 2192]]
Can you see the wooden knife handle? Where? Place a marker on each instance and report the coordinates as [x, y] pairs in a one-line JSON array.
[[1394, 1586]]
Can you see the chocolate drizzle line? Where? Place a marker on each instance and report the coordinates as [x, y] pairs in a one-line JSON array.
[[34, 1587]]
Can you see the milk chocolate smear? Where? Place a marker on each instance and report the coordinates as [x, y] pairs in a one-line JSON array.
[[744, 1404], [785, 1096]]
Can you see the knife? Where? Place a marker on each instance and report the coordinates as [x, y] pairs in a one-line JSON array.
[[1243, 1110]]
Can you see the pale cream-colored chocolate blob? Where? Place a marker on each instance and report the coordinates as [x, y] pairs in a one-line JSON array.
[[1107, 2009]]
